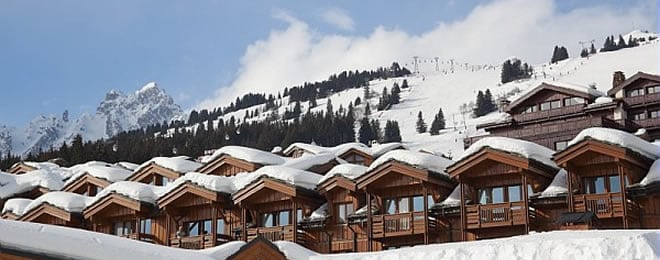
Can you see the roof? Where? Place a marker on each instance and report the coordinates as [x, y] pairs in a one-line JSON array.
[[16, 206], [11, 184], [633, 78], [375, 150], [109, 172], [517, 147], [576, 217], [567, 88], [347, 170], [618, 138], [558, 186], [308, 161], [180, 164], [295, 177], [215, 183], [246, 154], [653, 175], [67, 201], [133, 190], [418, 160]]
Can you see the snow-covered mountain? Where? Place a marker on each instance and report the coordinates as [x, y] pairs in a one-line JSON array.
[[117, 112]]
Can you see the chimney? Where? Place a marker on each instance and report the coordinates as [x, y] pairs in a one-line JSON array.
[[502, 103], [618, 78]]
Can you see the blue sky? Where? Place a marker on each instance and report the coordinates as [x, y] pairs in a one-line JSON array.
[[57, 55]]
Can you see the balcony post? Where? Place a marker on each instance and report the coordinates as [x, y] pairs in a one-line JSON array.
[[369, 222], [138, 227], [624, 201], [244, 222], [569, 181], [463, 222], [525, 201], [167, 228], [426, 216], [295, 220], [214, 224]]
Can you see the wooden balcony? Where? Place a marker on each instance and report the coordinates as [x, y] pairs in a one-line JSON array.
[[546, 114], [401, 224], [607, 205], [199, 242], [648, 123], [496, 215], [272, 233], [142, 237], [643, 100]]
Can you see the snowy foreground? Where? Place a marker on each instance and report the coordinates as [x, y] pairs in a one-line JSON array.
[[74, 243]]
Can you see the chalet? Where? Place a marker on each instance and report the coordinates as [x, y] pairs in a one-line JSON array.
[[601, 165], [273, 200], [355, 153], [160, 171], [258, 248], [90, 179], [127, 209], [199, 211], [639, 98], [29, 185], [330, 223], [319, 163], [21, 167], [14, 208], [56, 208], [231, 160], [551, 114], [497, 175], [403, 185]]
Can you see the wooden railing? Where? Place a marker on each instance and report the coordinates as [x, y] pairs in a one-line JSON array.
[[650, 122], [401, 224], [199, 242], [497, 215], [143, 237], [607, 205], [643, 99], [272, 233], [548, 113]]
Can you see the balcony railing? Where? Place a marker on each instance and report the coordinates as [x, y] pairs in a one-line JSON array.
[[401, 224], [646, 123], [643, 99], [496, 215], [272, 233], [549, 113], [143, 237], [199, 242], [607, 205]]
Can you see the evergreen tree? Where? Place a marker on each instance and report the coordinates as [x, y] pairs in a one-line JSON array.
[[377, 133], [312, 103], [404, 84], [366, 93], [365, 133], [438, 123], [489, 102], [622, 43], [592, 49], [394, 97], [479, 105], [584, 53], [367, 110], [392, 133], [421, 125]]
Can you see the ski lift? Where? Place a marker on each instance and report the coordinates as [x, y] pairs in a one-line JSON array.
[[115, 147]]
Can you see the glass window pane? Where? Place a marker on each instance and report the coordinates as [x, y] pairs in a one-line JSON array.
[[418, 203], [545, 106], [599, 185], [390, 206], [615, 183], [514, 193], [220, 226], [341, 218], [404, 205], [299, 215], [128, 227], [193, 228], [430, 201], [485, 196], [283, 218], [207, 227], [145, 225], [498, 195], [268, 220], [118, 228]]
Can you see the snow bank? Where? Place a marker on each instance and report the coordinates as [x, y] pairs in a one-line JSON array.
[[62, 242], [109, 172], [246, 154], [618, 138], [347, 170], [71, 202], [223, 251], [518, 147], [16, 206], [309, 160], [559, 185], [293, 251], [134, 190], [211, 182], [416, 159], [653, 175], [12, 184], [180, 164], [593, 244]]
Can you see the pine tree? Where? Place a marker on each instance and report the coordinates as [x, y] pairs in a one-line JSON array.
[[489, 103], [366, 93], [367, 110], [438, 123], [392, 133], [421, 125], [365, 131], [622, 43], [404, 84], [479, 108], [592, 50], [312, 102], [584, 53], [394, 97], [377, 133]]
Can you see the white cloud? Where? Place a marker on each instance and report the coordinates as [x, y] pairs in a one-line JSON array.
[[338, 18], [489, 34]]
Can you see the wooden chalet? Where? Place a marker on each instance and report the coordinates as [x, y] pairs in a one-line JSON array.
[[118, 214], [197, 217], [272, 208], [496, 184], [640, 98], [48, 210], [356, 156], [258, 248], [86, 184], [231, 160], [598, 177], [551, 115], [162, 170], [403, 192], [20, 168]]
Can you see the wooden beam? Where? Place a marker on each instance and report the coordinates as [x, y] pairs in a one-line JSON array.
[[244, 222], [463, 223], [294, 206], [369, 227], [214, 223], [569, 181], [426, 215], [622, 184], [526, 200]]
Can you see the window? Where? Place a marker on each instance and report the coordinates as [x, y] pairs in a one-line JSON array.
[[493, 195], [550, 105], [653, 90], [515, 194], [283, 218], [160, 180], [279, 218], [639, 116], [356, 159], [299, 215], [602, 184], [220, 226], [407, 204], [561, 145], [123, 228], [573, 101], [635, 92], [390, 206], [418, 203], [145, 226], [529, 109], [654, 114], [343, 210], [404, 205], [614, 183], [268, 220], [199, 227]]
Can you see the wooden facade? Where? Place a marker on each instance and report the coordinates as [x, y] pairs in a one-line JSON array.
[[356, 156], [87, 185], [20, 168], [119, 215], [49, 214], [640, 97], [154, 174], [227, 165]]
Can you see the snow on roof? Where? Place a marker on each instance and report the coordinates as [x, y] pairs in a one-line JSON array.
[[300, 178], [68, 201], [109, 172], [128, 165], [454, 198], [518, 147], [315, 149], [12, 184], [16, 206], [653, 175], [293, 251], [568, 86], [309, 160], [416, 159], [347, 170], [134, 190], [246, 154], [223, 251], [180, 164], [319, 214], [211, 182], [558, 186], [63, 242], [41, 165], [375, 151], [343, 148], [276, 149], [618, 138], [380, 149]]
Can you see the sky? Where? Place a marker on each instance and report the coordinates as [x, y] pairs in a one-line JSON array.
[[57, 55]]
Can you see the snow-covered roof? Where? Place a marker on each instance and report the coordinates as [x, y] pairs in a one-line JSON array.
[[16, 206], [223, 251], [134, 190], [12, 184], [416, 159], [211, 182], [379, 149], [347, 170], [618, 138], [558, 186], [296, 177], [517, 147], [309, 160], [454, 198], [580, 88], [293, 251], [109, 172], [41, 165], [246, 154], [374, 151], [68, 201], [319, 214], [180, 164], [653, 175], [128, 165]]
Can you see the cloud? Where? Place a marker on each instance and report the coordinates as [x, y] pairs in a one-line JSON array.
[[338, 18], [488, 35]]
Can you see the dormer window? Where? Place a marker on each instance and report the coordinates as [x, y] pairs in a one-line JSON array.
[[530, 109], [635, 92], [573, 101], [653, 90], [550, 105]]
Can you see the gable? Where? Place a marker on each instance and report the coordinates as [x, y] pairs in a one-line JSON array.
[[228, 166], [640, 79], [83, 182], [114, 204], [542, 93], [146, 174], [189, 195], [258, 248]]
